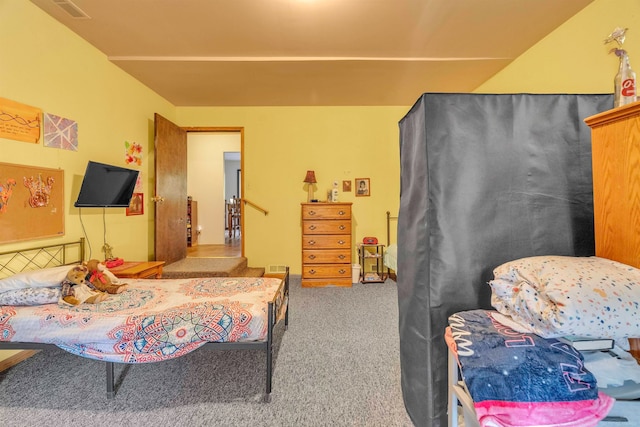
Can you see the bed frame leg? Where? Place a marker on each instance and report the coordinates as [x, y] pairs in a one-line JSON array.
[[267, 396], [286, 313], [111, 390]]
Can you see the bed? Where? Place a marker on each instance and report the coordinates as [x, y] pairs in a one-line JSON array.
[[510, 366], [390, 258], [152, 321]]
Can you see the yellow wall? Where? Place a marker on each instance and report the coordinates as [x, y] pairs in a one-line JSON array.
[[282, 143], [574, 58], [45, 65]]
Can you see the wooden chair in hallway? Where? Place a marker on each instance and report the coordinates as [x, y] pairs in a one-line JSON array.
[[233, 217]]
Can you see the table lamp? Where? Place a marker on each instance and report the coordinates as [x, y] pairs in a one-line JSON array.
[[310, 179]]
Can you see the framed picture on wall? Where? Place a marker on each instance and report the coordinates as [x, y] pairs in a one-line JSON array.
[[136, 205], [363, 187]]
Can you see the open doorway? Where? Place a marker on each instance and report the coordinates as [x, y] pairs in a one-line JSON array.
[[214, 159], [232, 195]]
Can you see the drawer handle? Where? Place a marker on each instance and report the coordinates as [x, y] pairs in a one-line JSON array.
[[342, 227], [341, 256], [311, 213], [342, 271], [312, 257], [312, 272], [341, 213], [312, 227], [341, 242], [312, 242]]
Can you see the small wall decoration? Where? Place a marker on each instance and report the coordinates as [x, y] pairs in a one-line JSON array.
[[133, 153], [136, 205], [60, 132], [138, 188], [363, 187], [19, 121], [31, 202], [346, 186]]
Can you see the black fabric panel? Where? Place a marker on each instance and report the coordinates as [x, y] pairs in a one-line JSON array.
[[484, 179]]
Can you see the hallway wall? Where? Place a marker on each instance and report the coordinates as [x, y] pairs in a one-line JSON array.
[[205, 180]]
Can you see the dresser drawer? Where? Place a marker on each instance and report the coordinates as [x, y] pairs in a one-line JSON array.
[[326, 241], [326, 211], [321, 271], [326, 227], [326, 256], [329, 281]]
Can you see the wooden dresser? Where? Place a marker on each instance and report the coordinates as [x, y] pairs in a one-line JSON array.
[[326, 244], [615, 140]]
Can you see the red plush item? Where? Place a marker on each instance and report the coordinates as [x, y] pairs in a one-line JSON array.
[[370, 241], [114, 262]]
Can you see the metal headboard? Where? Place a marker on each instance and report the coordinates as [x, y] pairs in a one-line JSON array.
[[12, 262]]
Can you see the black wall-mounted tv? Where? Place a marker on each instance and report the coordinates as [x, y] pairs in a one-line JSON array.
[[106, 186]]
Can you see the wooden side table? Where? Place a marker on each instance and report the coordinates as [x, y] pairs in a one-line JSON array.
[[139, 270]]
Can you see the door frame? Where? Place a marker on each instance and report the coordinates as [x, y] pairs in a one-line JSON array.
[[240, 130]]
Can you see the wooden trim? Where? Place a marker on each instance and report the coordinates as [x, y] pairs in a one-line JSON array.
[[613, 115], [212, 129], [16, 358]]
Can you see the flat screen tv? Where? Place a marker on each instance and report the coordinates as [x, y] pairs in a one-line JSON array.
[[106, 186]]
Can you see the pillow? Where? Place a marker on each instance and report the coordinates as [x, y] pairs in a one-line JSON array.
[[30, 296], [46, 277], [554, 296]]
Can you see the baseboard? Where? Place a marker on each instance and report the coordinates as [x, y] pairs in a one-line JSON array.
[[16, 358]]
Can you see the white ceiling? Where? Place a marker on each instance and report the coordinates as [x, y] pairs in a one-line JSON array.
[[311, 52]]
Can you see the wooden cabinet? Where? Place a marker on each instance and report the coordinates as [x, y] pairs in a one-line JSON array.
[[615, 140], [326, 244]]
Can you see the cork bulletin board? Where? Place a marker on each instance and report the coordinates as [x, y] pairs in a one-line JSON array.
[[31, 202]]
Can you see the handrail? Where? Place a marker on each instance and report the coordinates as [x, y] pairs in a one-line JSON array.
[[249, 202]]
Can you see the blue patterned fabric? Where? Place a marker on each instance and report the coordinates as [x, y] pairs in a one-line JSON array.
[[498, 363]]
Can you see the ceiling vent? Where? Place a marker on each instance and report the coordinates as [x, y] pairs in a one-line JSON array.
[[71, 9]]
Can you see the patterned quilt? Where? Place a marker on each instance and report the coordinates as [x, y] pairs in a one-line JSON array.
[[153, 320]]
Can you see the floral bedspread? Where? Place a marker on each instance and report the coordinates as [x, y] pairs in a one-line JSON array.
[[153, 320]]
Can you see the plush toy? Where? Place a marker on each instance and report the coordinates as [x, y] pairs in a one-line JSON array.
[[100, 279], [75, 290]]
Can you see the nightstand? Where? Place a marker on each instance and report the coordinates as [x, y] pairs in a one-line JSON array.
[[139, 270], [371, 263]]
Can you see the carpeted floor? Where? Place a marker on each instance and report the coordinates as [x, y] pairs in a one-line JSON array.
[[336, 365]]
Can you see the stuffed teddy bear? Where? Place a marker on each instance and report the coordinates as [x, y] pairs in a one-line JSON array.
[[75, 290], [99, 278]]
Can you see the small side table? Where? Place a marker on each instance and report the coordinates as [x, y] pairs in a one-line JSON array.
[[371, 262], [139, 270]]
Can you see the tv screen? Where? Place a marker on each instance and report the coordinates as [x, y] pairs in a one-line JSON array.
[[106, 186]]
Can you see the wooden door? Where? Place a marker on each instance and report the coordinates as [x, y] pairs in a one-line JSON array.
[[171, 191]]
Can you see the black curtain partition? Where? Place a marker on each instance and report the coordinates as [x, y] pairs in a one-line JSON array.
[[484, 179]]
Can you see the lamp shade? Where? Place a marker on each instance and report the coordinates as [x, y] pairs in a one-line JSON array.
[[310, 178]]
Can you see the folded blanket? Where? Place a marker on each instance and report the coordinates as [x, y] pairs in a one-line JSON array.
[[518, 379]]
